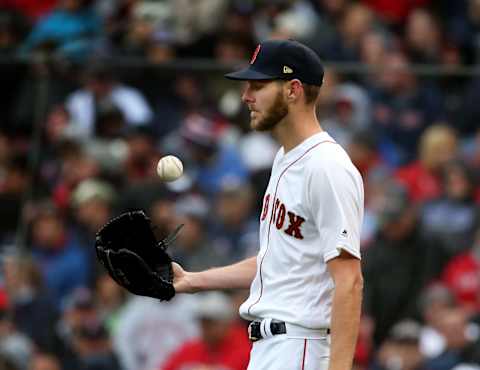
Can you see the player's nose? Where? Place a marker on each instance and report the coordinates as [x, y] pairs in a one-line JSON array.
[[247, 96]]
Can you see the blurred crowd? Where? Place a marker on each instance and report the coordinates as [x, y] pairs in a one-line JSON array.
[[96, 91]]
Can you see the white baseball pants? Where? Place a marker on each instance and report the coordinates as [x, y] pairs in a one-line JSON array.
[[281, 352]]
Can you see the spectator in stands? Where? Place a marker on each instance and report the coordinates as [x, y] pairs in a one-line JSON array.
[[395, 12], [102, 89], [64, 263], [329, 14], [74, 166], [15, 346], [191, 247], [232, 48], [149, 331], [373, 49], [78, 307], [284, 19], [141, 157], [161, 209], [331, 80], [209, 160], [438, 145], [259, 167], [32, 9], [365, 156], [402, 108], [400, 349], [58, 135], [365, 349], [462, 276], [423, 37], [350, 113], [403, 258], [221, 345], [144, 20], [462, 344], [161, 48], [32, 309], [111, 299], [179, 97], [151, 195], [92, 202], [234, 231], [58, 126], [454, 216], [436, 301], [92, 348], [44, 361], [357, 20], [196, 24], [71, 31], [92, 205]]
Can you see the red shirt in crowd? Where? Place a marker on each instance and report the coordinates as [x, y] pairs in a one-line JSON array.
[[422, 185], [395, 11], [233, 353], [462, 276], [33, 9]]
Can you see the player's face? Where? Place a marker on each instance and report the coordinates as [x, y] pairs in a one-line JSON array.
[[266, 104]]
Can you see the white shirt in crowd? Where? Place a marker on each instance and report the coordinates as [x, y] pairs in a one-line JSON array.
[[130, 101], [149, 330]]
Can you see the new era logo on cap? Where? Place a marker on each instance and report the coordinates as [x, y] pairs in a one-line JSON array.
[[287, 69]]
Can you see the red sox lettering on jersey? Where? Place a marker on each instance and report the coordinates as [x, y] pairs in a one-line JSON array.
[[312, 209], [278, 218]]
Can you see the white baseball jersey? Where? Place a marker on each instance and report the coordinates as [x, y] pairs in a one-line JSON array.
[[313, 208]]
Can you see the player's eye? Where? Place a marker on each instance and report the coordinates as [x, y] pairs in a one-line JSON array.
[[257, 85]]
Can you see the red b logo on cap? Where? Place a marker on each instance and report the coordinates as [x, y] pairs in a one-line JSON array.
[[255, 53]]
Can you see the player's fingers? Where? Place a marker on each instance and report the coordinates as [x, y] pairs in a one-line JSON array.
[[180, 282], [178, 271]]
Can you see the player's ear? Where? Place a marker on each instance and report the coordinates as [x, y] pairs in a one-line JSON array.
[[293, 90]]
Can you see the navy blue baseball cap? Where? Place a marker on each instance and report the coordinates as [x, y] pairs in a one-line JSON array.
[[282, 60]]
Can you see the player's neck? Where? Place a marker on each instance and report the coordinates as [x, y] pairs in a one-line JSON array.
[[295, 129]]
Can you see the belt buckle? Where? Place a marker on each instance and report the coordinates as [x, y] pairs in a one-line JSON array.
[[250, 335]]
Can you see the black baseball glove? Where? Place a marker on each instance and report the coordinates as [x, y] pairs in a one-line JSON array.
[[127, 247]]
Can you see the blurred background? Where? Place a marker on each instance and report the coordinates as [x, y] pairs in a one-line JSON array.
[[94, 92]]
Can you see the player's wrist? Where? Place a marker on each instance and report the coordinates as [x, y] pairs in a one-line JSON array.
[[195, 282], [190, 283]]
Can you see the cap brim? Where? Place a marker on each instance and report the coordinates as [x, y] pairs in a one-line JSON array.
[[248, 74]]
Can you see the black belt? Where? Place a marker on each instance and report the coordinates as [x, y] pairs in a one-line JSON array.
[[276, 327], [254, 332]]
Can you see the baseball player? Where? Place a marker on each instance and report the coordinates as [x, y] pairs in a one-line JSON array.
[[306, 282]]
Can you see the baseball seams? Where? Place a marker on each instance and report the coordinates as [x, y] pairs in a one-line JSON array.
[[169, 168]]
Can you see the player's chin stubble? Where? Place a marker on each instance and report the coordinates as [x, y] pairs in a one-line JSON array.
[[273, 116]]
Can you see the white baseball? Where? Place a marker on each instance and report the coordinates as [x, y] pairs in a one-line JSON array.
[[169, 168]]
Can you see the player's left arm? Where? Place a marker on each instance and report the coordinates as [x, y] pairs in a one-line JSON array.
[[346, 273]]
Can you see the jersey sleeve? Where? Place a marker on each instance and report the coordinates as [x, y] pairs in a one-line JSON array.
[[335, 195]]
